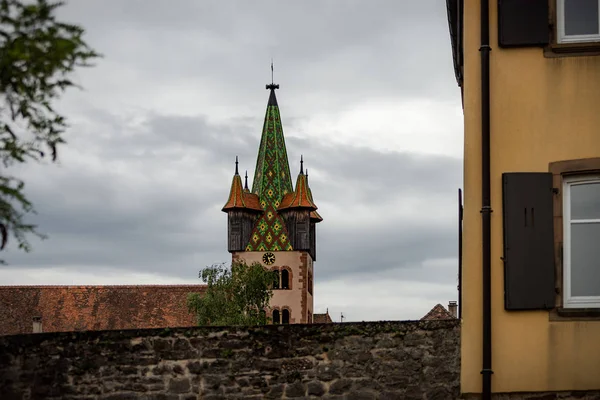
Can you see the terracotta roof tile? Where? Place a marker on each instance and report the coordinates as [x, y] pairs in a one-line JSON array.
[[315, 216], [438, 312], [322, 319], [78, 308], [239, 198], [300, 197], [252, 201]]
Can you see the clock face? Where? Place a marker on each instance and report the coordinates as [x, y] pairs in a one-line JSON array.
[[269, 258]]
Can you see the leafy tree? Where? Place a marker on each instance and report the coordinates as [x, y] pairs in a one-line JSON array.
[[234, 296], [37, 54]]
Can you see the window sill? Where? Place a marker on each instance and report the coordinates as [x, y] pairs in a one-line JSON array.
[[575, 314], [572, 49]]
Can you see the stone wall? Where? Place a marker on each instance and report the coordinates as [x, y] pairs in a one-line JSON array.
[[565, 395], [379, 360]]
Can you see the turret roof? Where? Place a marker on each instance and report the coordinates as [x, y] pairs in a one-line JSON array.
[[239, 198], [300, 197]]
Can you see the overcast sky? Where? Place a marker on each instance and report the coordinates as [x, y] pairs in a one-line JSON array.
[[367, 96]]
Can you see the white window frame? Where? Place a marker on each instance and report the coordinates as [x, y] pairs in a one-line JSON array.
[[570, 301], [560, 27]]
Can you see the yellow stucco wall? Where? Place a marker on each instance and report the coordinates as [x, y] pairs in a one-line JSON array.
[[542, 110]]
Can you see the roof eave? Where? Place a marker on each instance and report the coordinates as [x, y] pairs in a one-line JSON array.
[[454, 10]]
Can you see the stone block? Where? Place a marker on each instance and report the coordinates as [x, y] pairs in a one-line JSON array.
[[179, 385], [340, 386], [315, 388]]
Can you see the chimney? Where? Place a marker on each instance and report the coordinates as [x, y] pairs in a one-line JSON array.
[[453, 308], [37, 325]]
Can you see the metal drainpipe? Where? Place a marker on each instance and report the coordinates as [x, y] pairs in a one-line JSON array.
[[486, 208], [460, 242]]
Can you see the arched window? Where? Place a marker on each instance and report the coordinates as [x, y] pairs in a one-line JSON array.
[[276, 316], [285, 279], [310, 283], [275, 279], [285, 316]]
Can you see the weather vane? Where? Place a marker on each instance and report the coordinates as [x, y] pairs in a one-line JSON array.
[[272, 86]]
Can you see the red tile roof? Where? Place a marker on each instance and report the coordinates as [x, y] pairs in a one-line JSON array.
[[315, 216], [77, 308], [239, 198], [299, 198], [322, 319], [438, 312]]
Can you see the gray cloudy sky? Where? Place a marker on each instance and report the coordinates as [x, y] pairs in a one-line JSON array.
[[368, 96]]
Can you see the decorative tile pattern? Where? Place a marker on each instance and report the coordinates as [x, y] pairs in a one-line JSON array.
[[271, 182]]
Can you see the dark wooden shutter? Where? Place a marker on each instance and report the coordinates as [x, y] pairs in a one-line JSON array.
[[235, 231], [528, 241], [302, 241], [523, 23]]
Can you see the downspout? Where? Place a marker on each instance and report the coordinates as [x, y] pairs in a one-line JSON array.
[[460, 241], [486, 208]]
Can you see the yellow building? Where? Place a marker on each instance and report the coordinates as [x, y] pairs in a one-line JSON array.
[[529, 74]]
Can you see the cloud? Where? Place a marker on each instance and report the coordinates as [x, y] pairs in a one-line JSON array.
[[386, 296], [150, 197], [213, 59], [138, 190]]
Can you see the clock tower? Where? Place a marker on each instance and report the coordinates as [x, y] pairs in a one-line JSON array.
[[274, 223]]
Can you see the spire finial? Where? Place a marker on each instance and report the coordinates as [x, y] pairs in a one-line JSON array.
[[246, 183], [272, 86], [306, 176], [301, 164], [236, 165]]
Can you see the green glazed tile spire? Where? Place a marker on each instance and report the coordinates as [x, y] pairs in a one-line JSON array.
[[271, 182]]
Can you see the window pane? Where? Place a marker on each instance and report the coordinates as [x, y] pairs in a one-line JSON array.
[[585, 201], [581, 17], [585, 260]]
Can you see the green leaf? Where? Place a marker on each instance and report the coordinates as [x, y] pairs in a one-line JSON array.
[[237, 295], [37, 53]]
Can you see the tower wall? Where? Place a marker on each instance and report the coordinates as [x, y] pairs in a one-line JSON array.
[[313, 241], [239, 229], [298, 226], [297, 299]]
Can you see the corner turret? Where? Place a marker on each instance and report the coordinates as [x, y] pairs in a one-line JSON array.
[[300, 215], [242, 209]]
